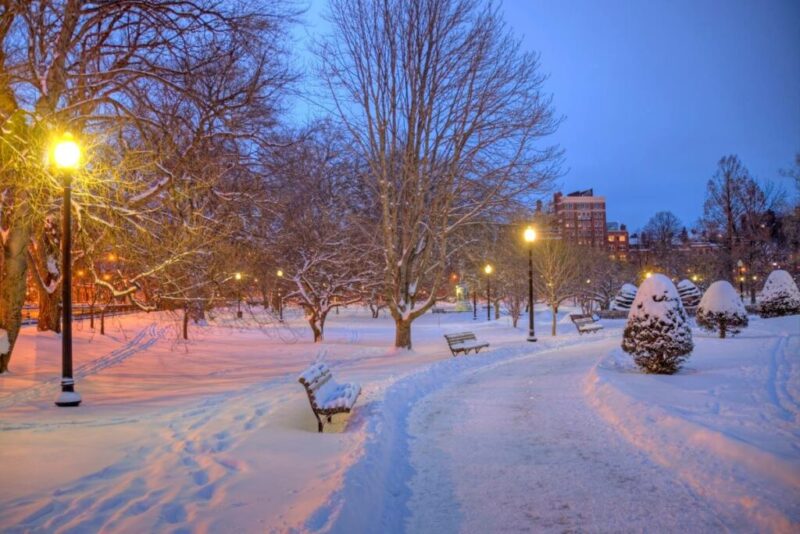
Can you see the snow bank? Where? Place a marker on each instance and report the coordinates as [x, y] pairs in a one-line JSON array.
[[727, 427]]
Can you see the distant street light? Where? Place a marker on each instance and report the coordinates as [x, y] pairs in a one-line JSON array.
[[67, 160], [280, 298], [488, 270], [530, 237], [238, 277]]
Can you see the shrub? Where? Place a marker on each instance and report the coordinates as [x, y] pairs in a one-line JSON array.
[[780, 295], [721, 310], [658, 335]]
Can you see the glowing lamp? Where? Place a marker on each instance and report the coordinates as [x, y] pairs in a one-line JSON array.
[[530, 235], [280, 273], [488, 269], [67, 153], [238, 276]]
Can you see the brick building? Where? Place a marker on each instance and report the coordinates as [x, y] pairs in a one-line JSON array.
[[617, 241], [580, 218]]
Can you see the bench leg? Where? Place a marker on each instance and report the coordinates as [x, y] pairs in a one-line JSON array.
[[319, 422]]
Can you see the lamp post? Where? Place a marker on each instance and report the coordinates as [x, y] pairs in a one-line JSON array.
[[740, 264], [488, 270], [238, 277], [475, 302], [67, 159], [530, 237], [280, 297]]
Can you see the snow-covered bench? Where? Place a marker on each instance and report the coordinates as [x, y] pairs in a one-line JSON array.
[[464, 342], [585, 323], [327, 397]]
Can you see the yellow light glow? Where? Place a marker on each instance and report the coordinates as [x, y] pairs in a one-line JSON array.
[[80, 272], [488, 269], [588, 280], [280, 273], [67, 153], [530, 234], [694, 278], [111, 257], [648, 274], [238, 276], [755, 277], [106, 277]]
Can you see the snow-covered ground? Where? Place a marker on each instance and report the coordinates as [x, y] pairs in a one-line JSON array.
[[217, 435]]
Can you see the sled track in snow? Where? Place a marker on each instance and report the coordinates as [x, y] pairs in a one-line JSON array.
[[780, 376], [143, 340]]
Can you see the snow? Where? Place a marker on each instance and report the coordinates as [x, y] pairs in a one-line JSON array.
[[3, 341], [655, 297], [52, 266], [780, 285], [216, 434], [721, 297], [779, 282]]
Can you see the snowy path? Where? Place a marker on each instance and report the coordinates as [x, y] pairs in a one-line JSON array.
[[516, 447]]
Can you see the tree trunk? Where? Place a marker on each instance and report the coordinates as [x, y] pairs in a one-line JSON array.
[[186, 322], [49, 318], [12, 286], [402, 337], [722, 329], [315, 329], [497, 310], [555, 319]]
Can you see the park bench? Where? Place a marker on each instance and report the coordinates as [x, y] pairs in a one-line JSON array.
[[437, 309], [464, 342], [327, 397], [585, 323]]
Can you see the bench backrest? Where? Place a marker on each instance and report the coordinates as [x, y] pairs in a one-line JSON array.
[[581, 319], [314, 378], [460, 338]]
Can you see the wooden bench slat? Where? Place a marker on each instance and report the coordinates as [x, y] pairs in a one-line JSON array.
[[326, 396], [585, 323], [464, 342]]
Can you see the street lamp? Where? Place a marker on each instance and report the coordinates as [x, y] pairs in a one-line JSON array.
[[530, 237], [488, 270], [280, 297], [67, 160], [238, 277], [475, 302]]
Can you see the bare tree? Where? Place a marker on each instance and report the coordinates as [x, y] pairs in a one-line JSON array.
[[97, 68], [557, 273], [446, 110]]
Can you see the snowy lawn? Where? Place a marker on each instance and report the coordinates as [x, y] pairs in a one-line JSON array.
[[216, 434]]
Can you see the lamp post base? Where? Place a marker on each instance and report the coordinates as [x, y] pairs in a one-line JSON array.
[[68, 398], [531, 338]]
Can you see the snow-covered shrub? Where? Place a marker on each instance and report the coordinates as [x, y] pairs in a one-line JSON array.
[[658, 335], [625, 297], [780, 295], [721, 310], [690, 295]]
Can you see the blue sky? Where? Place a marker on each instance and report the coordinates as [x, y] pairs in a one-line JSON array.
[[654, 93]]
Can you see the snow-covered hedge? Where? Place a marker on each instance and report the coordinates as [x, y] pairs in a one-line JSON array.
[[689, 293], [658, 335], [721, 310], [625, 297], [780, 295]]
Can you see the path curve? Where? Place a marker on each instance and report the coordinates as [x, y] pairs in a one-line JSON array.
[[490, 455]]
